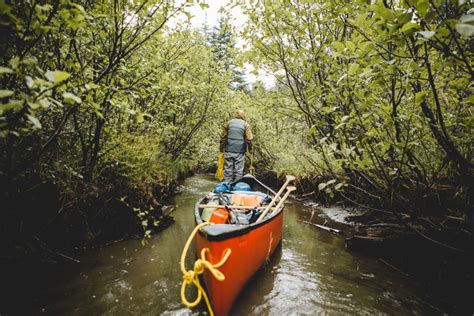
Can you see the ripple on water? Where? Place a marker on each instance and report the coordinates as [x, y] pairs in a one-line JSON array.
[[108, 297], [199, 185], [161, 286], [123, 286], [179, 312], [303, 287], [294, 288]]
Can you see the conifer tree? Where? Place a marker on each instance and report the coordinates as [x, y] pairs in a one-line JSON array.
[[222, 40]]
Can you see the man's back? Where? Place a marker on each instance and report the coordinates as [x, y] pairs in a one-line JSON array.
[[236, 140]]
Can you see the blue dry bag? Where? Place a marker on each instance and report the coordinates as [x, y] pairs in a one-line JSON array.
[[241, 186], [222, 187]]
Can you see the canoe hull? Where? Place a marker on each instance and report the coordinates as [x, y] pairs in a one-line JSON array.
[[249, 252]]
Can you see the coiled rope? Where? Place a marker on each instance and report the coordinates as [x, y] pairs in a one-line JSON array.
[[192, 276]]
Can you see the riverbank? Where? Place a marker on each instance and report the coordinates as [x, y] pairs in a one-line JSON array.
[[406, 245], [46, 222]]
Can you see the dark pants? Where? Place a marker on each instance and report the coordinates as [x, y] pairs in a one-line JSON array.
[[233, 166]]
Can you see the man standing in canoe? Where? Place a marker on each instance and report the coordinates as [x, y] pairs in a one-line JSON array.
[[236, 140]]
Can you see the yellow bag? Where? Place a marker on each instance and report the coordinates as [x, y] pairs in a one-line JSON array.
[[220, 167]]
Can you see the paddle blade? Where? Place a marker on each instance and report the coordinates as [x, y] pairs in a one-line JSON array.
[[291, 188]]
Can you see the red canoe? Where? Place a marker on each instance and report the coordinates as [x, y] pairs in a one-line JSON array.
[[251, 247]]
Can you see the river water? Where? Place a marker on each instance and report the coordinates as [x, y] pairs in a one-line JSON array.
[[311, 273]]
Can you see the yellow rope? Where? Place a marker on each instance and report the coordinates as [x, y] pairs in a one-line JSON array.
[[192, 276], [251, 168], [220, 167]]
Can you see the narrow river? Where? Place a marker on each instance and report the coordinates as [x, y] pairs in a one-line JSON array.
[[311, 273]]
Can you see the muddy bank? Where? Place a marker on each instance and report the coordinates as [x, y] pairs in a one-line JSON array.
[[410, 246], [42, 221]]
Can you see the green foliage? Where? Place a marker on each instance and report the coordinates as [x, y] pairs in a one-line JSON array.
[[102, 93], [373, 100], [382, 88]]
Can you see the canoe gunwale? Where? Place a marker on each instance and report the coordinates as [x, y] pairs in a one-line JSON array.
[[238, 230]]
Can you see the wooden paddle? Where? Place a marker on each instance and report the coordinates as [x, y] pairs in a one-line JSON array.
[[289, 178], [280, 204]]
